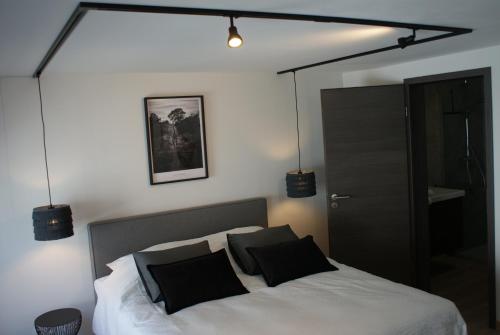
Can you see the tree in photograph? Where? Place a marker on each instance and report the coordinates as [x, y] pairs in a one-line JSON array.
[[176, 116]]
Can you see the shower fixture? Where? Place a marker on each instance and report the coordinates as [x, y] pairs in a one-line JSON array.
[[470, 153]]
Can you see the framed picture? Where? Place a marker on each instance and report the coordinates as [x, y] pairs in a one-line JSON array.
[[175, 128]]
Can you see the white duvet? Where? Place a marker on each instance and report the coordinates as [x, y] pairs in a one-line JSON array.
[[344, 302]]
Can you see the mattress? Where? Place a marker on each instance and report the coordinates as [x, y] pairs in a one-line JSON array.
[[346, 302]]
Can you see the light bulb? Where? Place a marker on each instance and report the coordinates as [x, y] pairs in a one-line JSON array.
[[234, 40]]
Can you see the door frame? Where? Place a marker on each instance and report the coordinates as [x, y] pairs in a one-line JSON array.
[[417, 172]]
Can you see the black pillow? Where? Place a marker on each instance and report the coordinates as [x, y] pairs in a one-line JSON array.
[[145, 258], [196, 280], [238, 244], [290, 260]]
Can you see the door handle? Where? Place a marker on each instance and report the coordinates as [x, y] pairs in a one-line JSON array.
[[336, 196]]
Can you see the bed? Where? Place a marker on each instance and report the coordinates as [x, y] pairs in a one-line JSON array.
[[347, 301]]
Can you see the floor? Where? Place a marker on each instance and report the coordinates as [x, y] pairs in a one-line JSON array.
[[463, 279]]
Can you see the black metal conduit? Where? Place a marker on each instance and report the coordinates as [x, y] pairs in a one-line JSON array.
[[84, 7]]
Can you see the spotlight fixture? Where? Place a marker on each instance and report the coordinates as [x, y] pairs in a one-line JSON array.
[[234, 40], [403, 42]]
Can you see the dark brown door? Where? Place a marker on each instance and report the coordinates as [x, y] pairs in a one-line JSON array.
[[366, 167]]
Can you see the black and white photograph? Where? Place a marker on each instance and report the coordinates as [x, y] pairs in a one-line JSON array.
[[176, 138]]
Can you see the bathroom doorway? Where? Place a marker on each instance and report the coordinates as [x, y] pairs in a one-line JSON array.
[[451, 186]]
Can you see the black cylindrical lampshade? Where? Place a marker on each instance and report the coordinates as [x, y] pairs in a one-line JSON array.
[[52, 222], [300, 184]]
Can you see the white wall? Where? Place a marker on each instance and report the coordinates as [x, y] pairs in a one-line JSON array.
[[4, 179], [487, 57], [98, 164]]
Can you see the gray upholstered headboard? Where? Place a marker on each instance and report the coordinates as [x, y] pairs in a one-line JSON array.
[[111, 239]]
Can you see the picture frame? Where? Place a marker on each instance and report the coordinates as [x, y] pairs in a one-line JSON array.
[[175, 131]]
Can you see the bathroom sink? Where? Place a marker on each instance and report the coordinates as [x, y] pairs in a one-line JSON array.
[[437, 194]]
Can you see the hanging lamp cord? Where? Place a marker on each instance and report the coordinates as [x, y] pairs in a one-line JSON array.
[[44, 144], [297, 114]]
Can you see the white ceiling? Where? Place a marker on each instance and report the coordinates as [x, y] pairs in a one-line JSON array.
[[132, 42]]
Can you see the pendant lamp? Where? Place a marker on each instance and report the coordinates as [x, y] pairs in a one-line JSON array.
[[51, 222], [299, 183]]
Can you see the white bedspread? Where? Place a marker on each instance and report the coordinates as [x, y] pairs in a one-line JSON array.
[[344, 302]]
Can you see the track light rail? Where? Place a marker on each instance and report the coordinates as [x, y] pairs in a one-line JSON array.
[[370, 52], [84, 7]]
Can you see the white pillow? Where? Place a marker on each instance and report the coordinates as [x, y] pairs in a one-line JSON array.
[[216, 242]]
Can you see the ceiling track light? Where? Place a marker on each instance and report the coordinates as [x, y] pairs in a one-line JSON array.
[[84, 7], [403, 42], [234, 40]]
